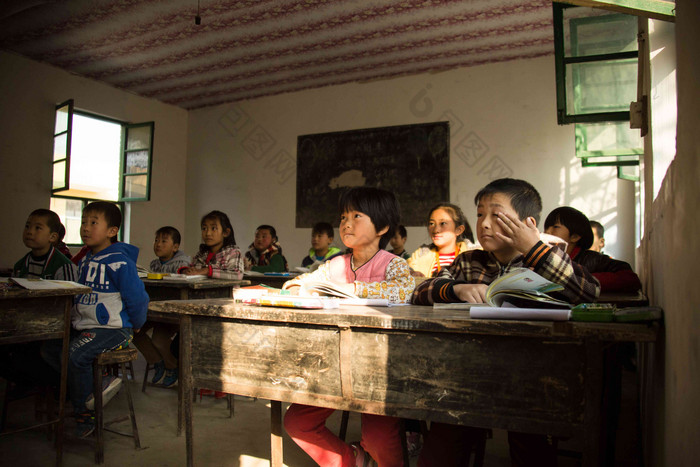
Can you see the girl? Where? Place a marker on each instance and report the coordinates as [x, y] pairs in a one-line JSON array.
[[218, 255], [265, 253], [572, 226], [451, 235], [368, 220]]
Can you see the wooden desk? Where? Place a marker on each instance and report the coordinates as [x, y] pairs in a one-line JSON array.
[[163, 289], [623, 300], [271, 280], [530, 376], [34, 315]]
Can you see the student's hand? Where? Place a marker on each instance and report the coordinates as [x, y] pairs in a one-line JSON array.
[[415, 273], [294, 289], [471, 293], [521, 235]]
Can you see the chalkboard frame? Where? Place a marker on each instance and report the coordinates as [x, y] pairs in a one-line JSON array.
[[413, 161]]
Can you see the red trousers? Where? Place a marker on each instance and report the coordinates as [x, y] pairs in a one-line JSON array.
[[306, 425]]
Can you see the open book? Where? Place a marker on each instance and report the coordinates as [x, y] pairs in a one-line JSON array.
[[45, 284], [519, 288], [524, 288], [328, 288]]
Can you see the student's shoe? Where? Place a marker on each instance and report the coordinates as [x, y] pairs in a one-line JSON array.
[[170, 378], [110, 387], [362, 458], [85, 424], [159, 368]]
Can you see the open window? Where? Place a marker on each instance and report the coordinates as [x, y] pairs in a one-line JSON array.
[[596, 60], [99, 158]]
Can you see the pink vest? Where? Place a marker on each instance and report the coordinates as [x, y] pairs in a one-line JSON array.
[[373, 270]]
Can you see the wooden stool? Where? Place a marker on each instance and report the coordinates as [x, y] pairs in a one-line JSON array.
[[109, 359]]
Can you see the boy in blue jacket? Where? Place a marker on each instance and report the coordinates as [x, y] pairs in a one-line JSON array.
[[106, 318]]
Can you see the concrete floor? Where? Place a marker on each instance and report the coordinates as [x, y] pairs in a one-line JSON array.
[[218, 440]]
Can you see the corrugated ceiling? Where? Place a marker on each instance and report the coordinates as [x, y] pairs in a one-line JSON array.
[[251, 48]]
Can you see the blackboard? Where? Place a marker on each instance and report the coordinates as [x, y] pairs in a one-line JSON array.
[[412, 161]]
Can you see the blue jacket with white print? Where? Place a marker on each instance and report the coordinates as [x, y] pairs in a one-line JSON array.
[[118, 298]]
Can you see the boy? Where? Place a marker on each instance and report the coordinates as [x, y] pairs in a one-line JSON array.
[[507, 214], [398, 241], [598, 236], [321, 249], [167, 249], [22, 363], [106, 318], [43, 261], [156, 349]]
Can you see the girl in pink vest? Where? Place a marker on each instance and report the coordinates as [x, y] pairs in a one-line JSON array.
[[368, 219]]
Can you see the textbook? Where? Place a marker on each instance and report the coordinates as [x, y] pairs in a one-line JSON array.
[[296, 301], [45, 284], [328, 288], [184, 277], [524, 288], [508, 311]]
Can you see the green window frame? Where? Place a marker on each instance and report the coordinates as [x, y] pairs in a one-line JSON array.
[[579, 60], [135, 162], [63, 130]]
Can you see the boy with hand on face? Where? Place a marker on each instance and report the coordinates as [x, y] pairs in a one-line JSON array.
[[321, 249], [508, 211]]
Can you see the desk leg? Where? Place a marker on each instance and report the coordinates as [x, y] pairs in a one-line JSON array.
[[593, 429], [180, 387], [276, 454], [186, 381], [64, 379]]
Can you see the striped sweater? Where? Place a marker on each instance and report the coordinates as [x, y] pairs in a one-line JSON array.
[[482, 267]]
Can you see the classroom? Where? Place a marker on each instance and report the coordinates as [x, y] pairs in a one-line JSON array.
[[206, 158]]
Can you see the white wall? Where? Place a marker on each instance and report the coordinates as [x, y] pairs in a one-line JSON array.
[[241, 156], [670, 252], [30, 92]]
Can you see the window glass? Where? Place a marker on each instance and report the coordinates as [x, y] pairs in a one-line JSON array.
[[70, 211]]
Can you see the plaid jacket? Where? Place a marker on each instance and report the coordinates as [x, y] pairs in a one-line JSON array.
[[481, 267], [227, 263]]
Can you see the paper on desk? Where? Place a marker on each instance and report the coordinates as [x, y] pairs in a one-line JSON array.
[[45, 284], [506, 312]]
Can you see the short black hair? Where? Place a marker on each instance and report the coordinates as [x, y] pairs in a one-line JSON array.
[[524, 198], [269, 228], [225, 224], [575, 221], [402, 231], [110, 211], [380, 205], [322, 228], [599, 229], [458, 218], [53, 222], [170, 231], [61, 232]]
